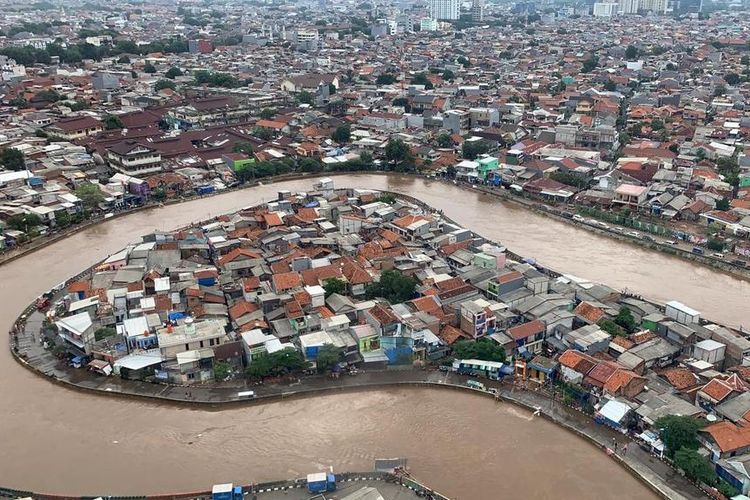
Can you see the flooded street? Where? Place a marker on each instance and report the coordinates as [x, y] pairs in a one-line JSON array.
[[63, 441]]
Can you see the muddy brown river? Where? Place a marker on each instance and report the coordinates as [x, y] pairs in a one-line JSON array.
[[62, 441]]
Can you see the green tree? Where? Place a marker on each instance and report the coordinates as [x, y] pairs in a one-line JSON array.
[[123, 59], [310, 165], [484, 349], [331, 89], [90, 195], [732, 78], [265, 134], [342, 134], [392, 286], [267, 113], [722, 204], [63, 219], [159, 194], [334, 285], [397, 152], [448, 75], [401, 101], [590, 64], [104, 332], [626, 320], [12, 159], [112, 122], [695, 465], [679, 432], [463, 61], [24, 222], [173, 73], [164, 84], [385, 79], [243, 147], [611, 327], [287, 360], [570, 179], [149, 68], [18, 102], [328, 357], [79, 105], [48, 95], [305, 97], [715, 244], [472, 149], [421, 79], [720, 90], [444, 141], [221, 370], [631, 53]]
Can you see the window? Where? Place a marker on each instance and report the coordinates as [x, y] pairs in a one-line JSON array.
[[187, 347], [201, 344]]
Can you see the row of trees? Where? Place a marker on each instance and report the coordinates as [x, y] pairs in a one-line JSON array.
[[680, 437], [75, 53], [290, 361], [216, 79]]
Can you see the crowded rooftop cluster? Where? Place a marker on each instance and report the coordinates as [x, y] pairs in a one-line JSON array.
[[643, 123], [337, 280]]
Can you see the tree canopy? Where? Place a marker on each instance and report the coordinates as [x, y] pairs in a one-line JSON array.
[[484, 349], [393, 286], [112, 122], [328, 357], [12, 159], [281, 362], [342, 133], [334, 285], [90, 195], [678, 432], [397, 152]]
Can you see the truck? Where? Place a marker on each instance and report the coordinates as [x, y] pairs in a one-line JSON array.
[[320, 482]]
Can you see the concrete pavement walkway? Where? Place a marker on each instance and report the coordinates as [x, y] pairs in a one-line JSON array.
[[660, 476]]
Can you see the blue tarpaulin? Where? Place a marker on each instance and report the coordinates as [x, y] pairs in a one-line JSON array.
[[174, 316]]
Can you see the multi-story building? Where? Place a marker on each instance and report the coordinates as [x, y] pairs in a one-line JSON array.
[[133, 158], [209, 111], [445, 9], [605, 9], [477, 11], [76, 127]]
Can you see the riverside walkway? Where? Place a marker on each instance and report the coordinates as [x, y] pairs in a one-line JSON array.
[[661, 477]]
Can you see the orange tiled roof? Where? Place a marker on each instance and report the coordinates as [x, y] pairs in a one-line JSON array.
[[729, 436]]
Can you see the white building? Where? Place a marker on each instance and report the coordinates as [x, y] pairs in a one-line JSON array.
[[445, 9], [605, 9], [428, 24]]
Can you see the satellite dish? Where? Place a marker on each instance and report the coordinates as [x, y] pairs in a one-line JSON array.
[[711, 417]]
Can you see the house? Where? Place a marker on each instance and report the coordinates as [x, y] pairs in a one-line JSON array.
[[735, 471], [133, 158], [528, 336], [77, 331], [189, 336], [76, 127], [574, 366], [725, 439], [630, 195]]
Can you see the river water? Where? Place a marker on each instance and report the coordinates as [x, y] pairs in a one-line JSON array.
[[62, 441]]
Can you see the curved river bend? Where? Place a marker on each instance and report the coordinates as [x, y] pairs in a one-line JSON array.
[[63, 441]]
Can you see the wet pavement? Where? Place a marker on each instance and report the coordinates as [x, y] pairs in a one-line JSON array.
[[657, 474]]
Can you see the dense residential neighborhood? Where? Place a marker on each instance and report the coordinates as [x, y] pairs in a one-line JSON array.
[[340, 281], [643, 133], [627, 118]]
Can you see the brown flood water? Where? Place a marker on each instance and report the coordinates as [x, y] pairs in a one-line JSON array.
[[62, 441]]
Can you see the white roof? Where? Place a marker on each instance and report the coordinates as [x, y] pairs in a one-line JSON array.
[[316, 477], [479, 362], [135, 326], [256, 337], [78, 323], [709, 345], [161, 284], [222, 488], [683, 308], [614, 410], [138, 361], [315, 339], [83, 303], [315, 290]]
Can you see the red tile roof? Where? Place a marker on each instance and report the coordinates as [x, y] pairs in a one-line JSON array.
[[526, 329]]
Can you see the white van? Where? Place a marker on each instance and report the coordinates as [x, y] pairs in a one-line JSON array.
[[246, 395]]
